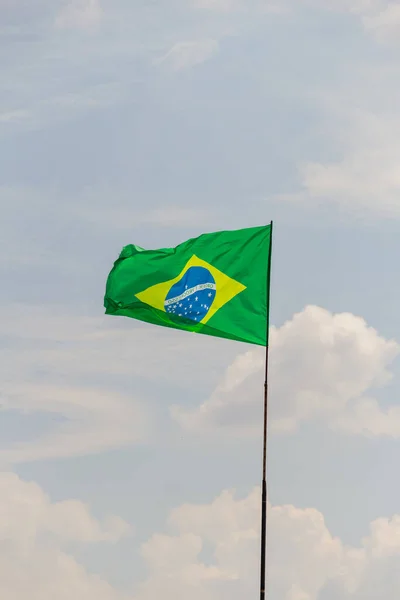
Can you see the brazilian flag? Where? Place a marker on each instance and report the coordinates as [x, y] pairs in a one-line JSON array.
[[216, 284]]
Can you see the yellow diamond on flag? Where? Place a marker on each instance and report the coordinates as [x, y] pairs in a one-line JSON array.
[[197, 293]]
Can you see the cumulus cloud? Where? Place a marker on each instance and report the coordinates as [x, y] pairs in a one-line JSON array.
[[324, 368], [306, 562], [80, 14], [185, 55], [322, 365], [34, 534], [205, 552]]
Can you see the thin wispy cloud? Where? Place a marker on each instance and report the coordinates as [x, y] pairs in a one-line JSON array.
[[87, 421], [185, 55], [80, 14]]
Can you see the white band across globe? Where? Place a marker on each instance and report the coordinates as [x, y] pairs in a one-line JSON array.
[[189, 292]]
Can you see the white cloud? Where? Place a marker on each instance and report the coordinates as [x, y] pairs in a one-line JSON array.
[[89, 420], [358, 7], [380, 18], [93, 96], [185, 55], [206, 552], [228, 528], [87, 417], [212, 551], [227, 6], [323, 368], [217, 5], [384, 24], [49, 339], [80, 14], [14, 115], [27, 514], [366, 181], [360, 129], [367, 417], [50, 107], [76, 375], [322, 365], [34, 534]]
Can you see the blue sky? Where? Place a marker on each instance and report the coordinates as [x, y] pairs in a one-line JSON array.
[[130, 455]]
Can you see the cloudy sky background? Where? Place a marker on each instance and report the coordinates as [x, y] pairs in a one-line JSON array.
[[130, 457]]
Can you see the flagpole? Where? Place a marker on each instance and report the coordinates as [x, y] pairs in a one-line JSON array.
[[265, 440]]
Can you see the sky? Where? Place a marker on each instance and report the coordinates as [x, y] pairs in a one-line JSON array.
[[130, 455]]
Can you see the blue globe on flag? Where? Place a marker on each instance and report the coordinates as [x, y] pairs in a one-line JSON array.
[[192, 296]]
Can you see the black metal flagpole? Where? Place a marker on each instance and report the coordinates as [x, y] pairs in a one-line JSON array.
[[265, 440]]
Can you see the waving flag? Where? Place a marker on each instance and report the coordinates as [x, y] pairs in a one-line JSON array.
[[216, 284]]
